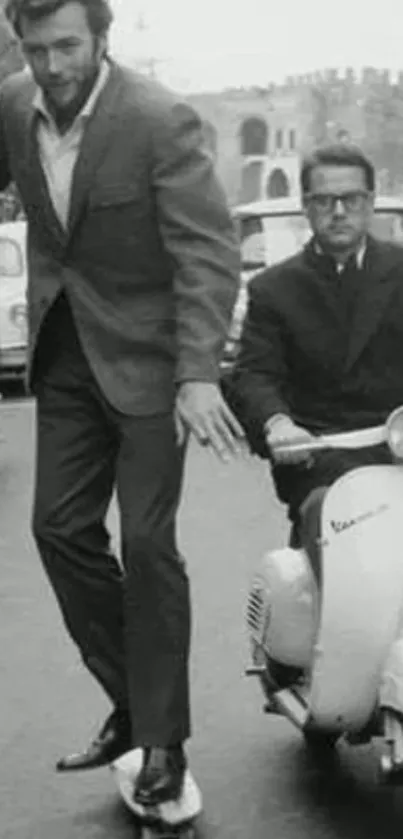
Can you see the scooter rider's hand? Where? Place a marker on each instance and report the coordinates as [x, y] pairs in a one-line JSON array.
[[281, 429]]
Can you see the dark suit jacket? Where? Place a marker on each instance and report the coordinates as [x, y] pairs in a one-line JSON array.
[[301, 354], [150, 260]]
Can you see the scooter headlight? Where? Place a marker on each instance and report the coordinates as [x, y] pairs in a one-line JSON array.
[[394, 433]]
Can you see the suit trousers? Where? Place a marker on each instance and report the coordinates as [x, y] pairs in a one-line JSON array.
[[130, 621]]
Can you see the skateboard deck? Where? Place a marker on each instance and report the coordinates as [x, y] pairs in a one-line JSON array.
[[173, 818]]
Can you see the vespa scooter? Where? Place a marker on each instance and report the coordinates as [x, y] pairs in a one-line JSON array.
[[326, 620]]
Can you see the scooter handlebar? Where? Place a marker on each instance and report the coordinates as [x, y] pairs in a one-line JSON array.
[[343, 440]]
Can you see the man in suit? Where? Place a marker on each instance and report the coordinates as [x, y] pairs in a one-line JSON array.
[[322, 343], [133, 268]]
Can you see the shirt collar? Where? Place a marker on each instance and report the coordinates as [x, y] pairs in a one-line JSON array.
[[39, 102], [359, 256]]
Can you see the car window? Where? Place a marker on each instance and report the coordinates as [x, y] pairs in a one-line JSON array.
[[11, 261], [252, 238], [269, 239], [388, 226]]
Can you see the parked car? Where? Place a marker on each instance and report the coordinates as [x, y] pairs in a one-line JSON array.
[[13, 303], [273, 230]]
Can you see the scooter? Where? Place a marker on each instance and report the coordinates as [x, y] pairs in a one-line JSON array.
[[325, 619]]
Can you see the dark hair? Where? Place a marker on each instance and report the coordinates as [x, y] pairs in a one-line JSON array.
[[99, 12], [338, 154]]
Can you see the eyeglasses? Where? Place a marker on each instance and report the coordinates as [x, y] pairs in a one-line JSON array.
[[325, 202]]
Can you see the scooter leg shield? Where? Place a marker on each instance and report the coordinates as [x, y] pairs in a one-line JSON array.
[[361, 599]]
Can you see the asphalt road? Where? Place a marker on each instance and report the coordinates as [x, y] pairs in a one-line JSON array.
[[257, 779]]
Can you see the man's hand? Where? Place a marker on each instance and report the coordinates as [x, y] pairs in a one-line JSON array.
[[283, 431], [201, 409]]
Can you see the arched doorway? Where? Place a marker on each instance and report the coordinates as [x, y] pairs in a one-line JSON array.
[[251, 182], [254, 137], [277, 184]]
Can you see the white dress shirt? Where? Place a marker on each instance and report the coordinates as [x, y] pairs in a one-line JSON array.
[[59, 152], [359, 255]]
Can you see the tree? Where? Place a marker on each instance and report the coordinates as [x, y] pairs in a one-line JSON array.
[[11, 59], [383, 111]]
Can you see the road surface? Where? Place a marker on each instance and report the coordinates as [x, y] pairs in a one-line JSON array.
[[258, 782]]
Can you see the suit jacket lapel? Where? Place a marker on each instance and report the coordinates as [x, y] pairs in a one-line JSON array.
[[97, 136], [380, 281]]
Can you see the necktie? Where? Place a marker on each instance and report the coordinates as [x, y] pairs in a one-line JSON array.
[[350, 281]]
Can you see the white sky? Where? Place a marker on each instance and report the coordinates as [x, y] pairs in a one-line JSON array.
[[208, 44]]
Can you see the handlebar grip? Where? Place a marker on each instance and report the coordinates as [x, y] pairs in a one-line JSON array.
[[307, 447], [360, 439]]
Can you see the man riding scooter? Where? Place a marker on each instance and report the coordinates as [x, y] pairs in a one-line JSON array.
[[322, 344]]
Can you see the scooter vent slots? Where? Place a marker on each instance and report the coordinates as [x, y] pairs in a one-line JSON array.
[[257, 613]]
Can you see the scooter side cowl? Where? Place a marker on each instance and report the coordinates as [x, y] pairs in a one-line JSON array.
[[283, 608]]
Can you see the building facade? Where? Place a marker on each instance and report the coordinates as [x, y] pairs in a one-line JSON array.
[[258, 135]]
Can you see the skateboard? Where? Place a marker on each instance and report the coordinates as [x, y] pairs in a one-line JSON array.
[[171, 819]]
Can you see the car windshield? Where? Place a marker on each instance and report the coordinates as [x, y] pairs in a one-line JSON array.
[[11, 262], [266, 240]]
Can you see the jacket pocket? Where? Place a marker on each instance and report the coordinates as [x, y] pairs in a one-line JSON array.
[[115, 195]]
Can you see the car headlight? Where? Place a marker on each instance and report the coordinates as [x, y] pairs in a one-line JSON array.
[[394, 433]]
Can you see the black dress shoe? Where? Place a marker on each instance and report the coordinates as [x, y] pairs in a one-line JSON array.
[[161, 777], [113, 740]]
